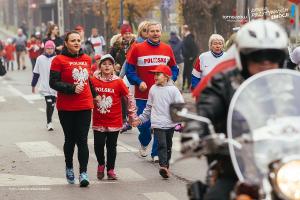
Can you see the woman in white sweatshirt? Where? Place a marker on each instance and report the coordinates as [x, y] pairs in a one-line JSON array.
[[41, 73]]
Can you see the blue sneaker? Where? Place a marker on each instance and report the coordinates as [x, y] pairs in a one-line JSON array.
[[70, 175], [84, 179]]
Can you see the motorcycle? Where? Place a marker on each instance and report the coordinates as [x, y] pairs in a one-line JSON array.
[[263, 129]]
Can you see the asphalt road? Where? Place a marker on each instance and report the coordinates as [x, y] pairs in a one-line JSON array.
[[32, 161]]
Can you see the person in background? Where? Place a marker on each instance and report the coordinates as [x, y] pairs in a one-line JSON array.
[[70, 77], [143, 57], [176, 45], [121, 47], [189, 52], [161, 95], [96, 64], [107, 115], [86, 45], [98, 42], [53, 34], [33, 48], [20, 45], [208, 60], [41, 73], [9, 54]]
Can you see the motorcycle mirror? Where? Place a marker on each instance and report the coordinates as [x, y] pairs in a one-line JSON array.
[[175, 108]]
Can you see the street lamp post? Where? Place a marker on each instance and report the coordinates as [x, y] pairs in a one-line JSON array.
[[121, 12]]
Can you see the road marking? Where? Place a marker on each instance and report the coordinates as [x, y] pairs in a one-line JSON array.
[[39, 149], [2, 99], [42, 110], [159, 196], [33, 97], [18, 93], [121, 147], [56, 120], [127, 174], [30, 188], [127, 147], [23, 180]]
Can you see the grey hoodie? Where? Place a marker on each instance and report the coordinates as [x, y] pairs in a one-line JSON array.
[[157, 108]]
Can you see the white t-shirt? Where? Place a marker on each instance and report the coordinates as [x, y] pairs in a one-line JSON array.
[[42, 67], [98, 43]]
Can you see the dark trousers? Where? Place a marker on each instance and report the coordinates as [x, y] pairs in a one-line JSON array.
[[76, 126], [50, 104], [221, 190], [110, 140], [164, 138], [187, 73], [33, 61], [11, 64]]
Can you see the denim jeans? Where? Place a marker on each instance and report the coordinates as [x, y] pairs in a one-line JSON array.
[[144, 129], [164, 138]]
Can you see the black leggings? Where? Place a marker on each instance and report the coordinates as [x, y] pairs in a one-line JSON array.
[[76, 126], [110, 139], [50, 104]]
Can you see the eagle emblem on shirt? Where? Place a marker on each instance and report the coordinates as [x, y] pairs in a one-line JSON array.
[[104, 104], [80, 75]]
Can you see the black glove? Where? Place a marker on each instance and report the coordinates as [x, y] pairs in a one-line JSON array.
[[191, 144]]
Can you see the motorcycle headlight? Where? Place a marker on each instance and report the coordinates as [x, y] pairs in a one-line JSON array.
[[288, 180]]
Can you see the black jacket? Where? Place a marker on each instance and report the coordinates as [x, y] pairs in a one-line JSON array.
[[213, 103], [189, 47], [214, 100]]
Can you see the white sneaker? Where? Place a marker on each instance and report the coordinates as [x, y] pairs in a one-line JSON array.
[[50, 127], [155, 159], [143, 151]]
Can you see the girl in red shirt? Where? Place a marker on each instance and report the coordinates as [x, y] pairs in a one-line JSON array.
[[9, 54], [107, 114]]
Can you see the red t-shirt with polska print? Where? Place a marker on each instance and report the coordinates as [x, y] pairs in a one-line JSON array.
[[108, 111], [74, 71]]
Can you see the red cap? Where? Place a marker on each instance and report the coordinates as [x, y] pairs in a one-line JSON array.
[[79, 28], [125, 28], [162, 69], [97, 57]]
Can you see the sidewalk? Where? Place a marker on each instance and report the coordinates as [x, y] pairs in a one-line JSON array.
[[6, 33]]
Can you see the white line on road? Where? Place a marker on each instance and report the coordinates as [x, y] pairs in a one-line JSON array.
[[18, 93], [159, 196], [42, 110], [127, 174], [23, 180], [2, 99], [30, 188], [39, 149], [32, 97], [121, 147]]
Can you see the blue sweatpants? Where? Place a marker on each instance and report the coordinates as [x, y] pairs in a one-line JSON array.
[[145, 130]]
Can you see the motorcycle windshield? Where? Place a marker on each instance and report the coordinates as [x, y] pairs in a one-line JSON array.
[[264, 117]]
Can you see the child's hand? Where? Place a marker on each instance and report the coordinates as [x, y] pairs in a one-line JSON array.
[[143, 86], [135, 123], [96, 99]]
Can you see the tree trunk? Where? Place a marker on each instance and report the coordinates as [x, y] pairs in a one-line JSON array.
[[205, 17]]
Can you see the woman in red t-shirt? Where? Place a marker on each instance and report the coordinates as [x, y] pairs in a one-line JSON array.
[[107, 114], [69, 76]]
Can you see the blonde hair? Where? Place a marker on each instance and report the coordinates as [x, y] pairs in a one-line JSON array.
[[215, 37], [154, 24], [143, 25]]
